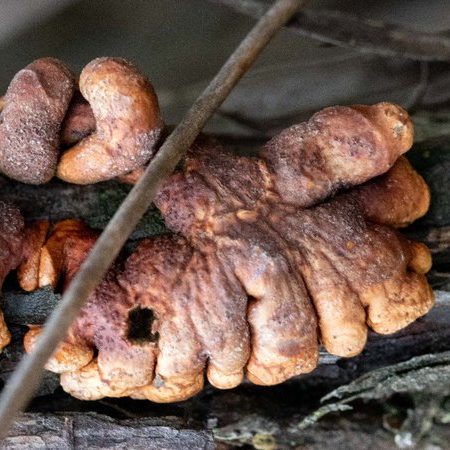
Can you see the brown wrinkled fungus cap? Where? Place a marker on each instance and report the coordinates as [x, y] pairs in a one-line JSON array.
[[127, 121], [35, 105], [271, 257]]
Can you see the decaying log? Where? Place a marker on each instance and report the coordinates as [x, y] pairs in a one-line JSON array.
[[87, 431], [425, 379], [268, 418], [95, 204], [228, 421]]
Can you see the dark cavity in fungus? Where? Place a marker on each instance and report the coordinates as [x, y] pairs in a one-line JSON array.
[[140, 322]]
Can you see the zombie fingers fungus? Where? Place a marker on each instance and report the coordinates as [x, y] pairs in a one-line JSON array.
[[271, 256]]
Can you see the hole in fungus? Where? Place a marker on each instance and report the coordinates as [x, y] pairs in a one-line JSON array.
[[140, 322]]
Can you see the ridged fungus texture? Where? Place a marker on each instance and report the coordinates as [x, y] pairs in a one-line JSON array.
[[108, 125], [127, 123], [270, 257]]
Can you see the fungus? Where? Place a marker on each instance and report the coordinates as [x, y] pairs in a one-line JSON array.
[[34, 238], [270, 257], [44, 246], [34, 107], [109, 127], [79, 121], [127, 123]]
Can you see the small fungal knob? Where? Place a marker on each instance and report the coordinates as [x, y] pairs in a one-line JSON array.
[[35, 105], [128, 124]]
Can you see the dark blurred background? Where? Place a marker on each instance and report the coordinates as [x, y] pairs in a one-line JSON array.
[[180, 44]]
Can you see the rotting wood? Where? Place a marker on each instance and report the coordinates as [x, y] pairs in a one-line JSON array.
[[87, 431], [362, 428]]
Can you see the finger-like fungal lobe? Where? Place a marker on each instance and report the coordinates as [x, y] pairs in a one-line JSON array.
[[43, 252], [79, 121], [108, 126], [127, 123], [34, 107], [11, 246], [272, 256]]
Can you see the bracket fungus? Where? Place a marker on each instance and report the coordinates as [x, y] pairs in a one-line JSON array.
[[270, 256]]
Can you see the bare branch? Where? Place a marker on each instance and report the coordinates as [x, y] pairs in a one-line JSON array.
[[366, 36]]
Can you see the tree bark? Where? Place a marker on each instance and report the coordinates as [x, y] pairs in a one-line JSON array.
[[88, 431]]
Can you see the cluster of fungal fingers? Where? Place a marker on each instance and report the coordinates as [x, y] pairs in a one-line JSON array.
[[36, 250], [43, 257], [105, 127], [270, 257]]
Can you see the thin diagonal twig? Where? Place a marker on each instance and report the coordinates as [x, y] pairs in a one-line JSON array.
[[367, 36], [26, 378]]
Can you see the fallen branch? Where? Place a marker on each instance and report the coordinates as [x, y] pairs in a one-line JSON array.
[[87, 431], [426, 379], [361, 429]]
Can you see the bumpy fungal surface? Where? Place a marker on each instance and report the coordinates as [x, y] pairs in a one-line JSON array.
[[270, 257], [127, 123], [108, 128], [34, 107], [79, 121]]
